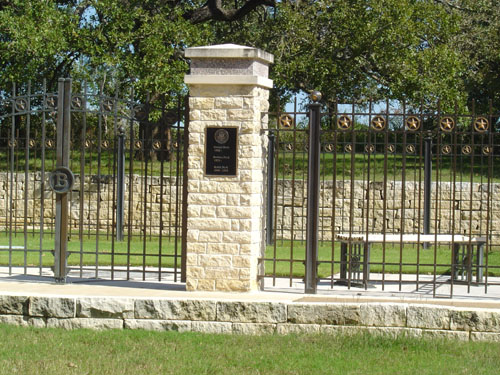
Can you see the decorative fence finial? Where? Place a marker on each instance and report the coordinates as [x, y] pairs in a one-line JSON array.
[[315, 96]]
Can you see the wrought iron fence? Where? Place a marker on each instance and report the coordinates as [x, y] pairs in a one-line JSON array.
[[125, 208], [407, 195]]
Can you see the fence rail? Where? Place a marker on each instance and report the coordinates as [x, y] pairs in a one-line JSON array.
[[125, 225], [388, 172]]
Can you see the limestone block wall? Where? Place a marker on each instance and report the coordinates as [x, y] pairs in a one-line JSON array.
[[92, 203], [249, 317], [161, 199], [466, 208]]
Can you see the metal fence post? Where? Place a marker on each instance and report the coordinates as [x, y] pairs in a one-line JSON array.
[[185, 155], [313, 192], [270, 189], [62, 179], [120, 194]]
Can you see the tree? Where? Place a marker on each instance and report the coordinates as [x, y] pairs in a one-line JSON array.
[[478, 42], [354, 49], [410, 49]]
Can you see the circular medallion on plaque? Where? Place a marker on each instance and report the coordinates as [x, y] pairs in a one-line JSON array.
[[481, 125], [107, 105], [378, 123], [157, 145], [61, 180], [329, 147], [344, 122], [221, 136], [286, 121], [21, 104], [466, 150], [410, 149], [51, 101], [447, 124], [487, 150], [446, 149], [77, 102], [413, 123], [369, 149]]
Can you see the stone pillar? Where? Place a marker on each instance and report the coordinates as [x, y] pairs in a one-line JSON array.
[[229, 89]]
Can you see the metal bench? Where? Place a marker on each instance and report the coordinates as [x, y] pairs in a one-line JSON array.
[[356, 262]]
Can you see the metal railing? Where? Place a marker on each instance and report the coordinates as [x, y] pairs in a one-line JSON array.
[[406, 199], [125, 209]]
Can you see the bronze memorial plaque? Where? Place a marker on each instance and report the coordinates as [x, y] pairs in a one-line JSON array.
[[220, 151]]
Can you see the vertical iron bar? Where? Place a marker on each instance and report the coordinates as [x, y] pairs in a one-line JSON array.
[[334, 190], [42, 178], [99, 177], [270, 188], [489, 203], [82, 173], [114, 193], [437, 201], [133, 117], [185, 143], [26, 175], [120, 194], [178, 204], [313, 185], [11, 195], [427, 185], [278, 115], [292, 208]]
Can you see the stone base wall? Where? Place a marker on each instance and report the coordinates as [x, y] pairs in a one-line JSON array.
[[254, 318], [461, 209], [146, 200], [466, 206]]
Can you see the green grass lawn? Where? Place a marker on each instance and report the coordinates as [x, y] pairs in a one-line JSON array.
[[147, 253], [142, 252], [54, 351], [392, 255]]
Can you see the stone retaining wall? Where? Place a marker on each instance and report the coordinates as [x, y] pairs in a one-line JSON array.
[[243, 317], [95, 198], [160, 196], [463, 208]]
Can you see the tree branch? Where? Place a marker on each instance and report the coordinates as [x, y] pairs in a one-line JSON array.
[[213, 10]]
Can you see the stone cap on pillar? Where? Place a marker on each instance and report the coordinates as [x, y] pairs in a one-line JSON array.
[[229, 64]]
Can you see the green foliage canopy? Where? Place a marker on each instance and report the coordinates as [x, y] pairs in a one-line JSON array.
[[344, 48]]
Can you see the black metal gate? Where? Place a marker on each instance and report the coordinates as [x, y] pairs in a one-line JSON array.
[[389, 195], [91, 183]]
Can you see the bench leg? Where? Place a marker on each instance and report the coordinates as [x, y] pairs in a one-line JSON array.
[[480, 262], [366, 262], [343, 261], [454, 266]]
